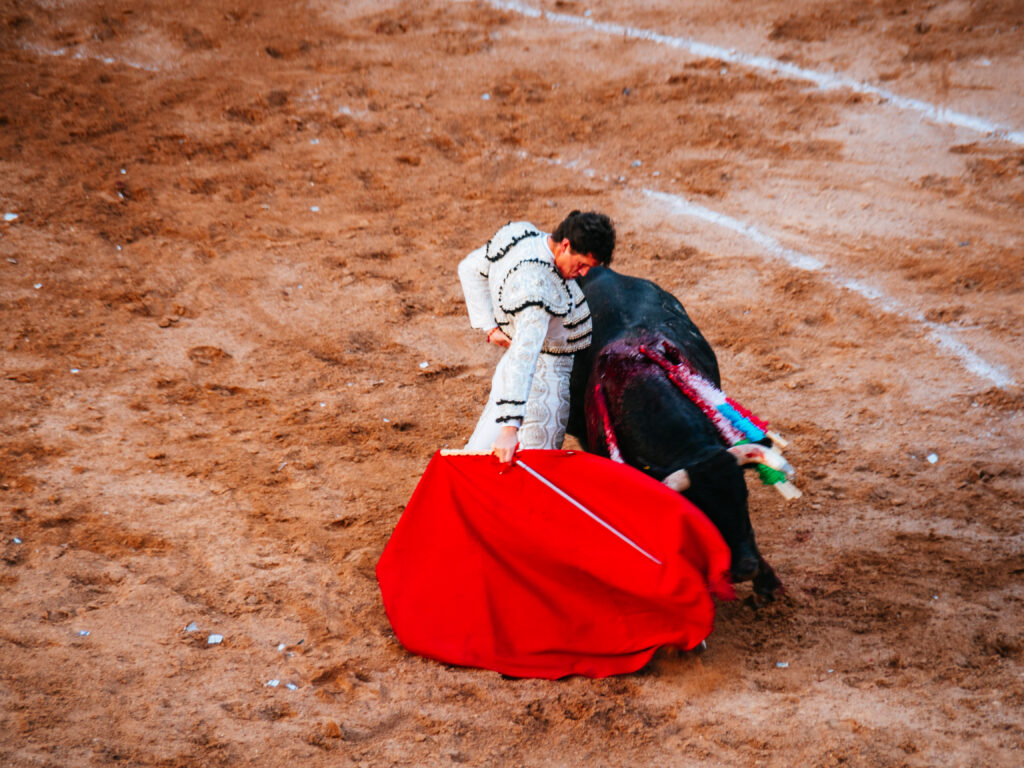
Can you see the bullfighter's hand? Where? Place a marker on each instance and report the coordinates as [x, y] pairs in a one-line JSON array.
[[505, 446], [497, 336]]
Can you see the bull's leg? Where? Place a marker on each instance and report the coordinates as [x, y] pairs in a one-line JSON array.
[[746, 560], [766, 583], [718, 488]]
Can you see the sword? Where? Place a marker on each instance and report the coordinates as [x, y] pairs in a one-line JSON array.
[[586, 511], [563, 494]]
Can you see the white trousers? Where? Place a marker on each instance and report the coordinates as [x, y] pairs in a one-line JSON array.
[[547, 407]]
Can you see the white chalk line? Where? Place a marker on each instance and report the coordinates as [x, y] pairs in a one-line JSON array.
[[823, 80], [942, 335], [80, 56]]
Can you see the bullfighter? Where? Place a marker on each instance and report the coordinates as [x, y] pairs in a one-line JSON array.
[[520, 288]]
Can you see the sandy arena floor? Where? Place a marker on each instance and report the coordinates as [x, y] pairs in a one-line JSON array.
[[228, 246]]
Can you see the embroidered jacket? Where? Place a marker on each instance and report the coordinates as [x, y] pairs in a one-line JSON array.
[[512, 282]]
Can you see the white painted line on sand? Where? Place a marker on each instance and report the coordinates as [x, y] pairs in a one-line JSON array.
[[823, 80], [79, 55], [942, 335]]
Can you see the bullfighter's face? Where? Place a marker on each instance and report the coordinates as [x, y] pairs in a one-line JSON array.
[[571, 264]]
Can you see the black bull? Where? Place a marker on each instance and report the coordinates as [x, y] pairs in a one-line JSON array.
[[658, 429]]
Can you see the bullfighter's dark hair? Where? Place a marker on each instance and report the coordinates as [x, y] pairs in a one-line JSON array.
[[588, 233]]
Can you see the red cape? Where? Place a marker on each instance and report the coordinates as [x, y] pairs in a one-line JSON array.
[[491, 568]]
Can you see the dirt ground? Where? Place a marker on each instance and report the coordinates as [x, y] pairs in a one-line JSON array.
[[232, 337]]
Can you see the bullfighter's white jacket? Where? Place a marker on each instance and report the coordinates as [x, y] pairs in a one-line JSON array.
[[513, 283]]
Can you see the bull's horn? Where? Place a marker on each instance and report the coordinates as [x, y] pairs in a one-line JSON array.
[[678, 481]]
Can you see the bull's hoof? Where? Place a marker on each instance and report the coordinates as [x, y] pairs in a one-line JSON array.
[[766, 584], [746, 560], [745, 569]]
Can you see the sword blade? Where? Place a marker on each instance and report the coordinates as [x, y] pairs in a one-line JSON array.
[[586, 511]]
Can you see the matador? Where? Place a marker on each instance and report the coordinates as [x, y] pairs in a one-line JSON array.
[[520, 288]]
